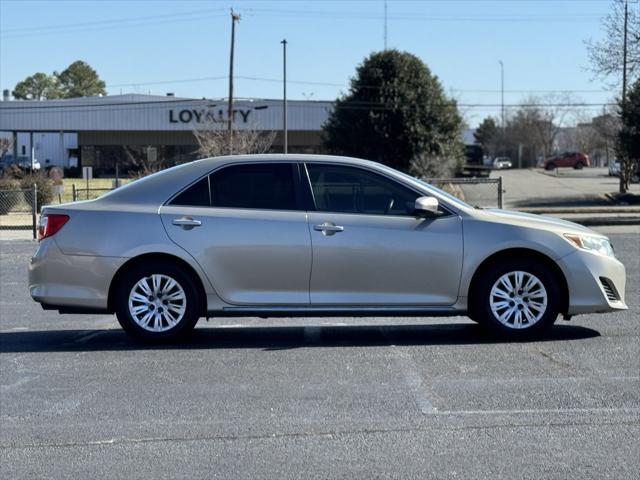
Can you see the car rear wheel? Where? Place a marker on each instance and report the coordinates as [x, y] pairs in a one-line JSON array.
[[157, 302], [550, 166], [517, 298]]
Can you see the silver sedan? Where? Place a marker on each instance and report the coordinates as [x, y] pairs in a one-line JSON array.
[[302, 235]]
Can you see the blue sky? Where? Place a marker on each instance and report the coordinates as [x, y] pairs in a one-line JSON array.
[[135, 45]]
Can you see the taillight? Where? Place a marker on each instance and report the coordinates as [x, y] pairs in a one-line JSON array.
[[50, 224]]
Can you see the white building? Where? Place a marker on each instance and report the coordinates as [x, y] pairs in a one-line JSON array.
[[94, 129]]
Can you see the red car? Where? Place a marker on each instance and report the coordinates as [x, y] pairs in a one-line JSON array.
[[568, 159]]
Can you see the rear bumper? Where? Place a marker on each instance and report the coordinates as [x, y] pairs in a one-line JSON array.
[[584, 272], [70, 281]]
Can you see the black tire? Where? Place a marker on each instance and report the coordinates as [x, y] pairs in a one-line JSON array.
[[481, 298], [550, 166], [579, 166], [192, 302]]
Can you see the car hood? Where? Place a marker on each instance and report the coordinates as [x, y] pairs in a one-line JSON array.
[[534, 221]]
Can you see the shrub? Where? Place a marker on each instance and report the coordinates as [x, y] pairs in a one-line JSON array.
[[8, 198], [45, 188], [13, 171]]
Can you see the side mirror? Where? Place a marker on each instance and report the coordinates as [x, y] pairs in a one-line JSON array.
[[426, 207]]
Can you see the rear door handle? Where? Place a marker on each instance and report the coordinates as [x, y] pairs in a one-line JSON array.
[[186, 222], [328, 228]]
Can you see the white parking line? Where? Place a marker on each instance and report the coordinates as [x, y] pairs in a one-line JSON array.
[[413, 380], [17, 383], [541, 411]]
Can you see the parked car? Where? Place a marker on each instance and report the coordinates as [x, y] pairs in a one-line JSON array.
[[502, 162], [568, 159], [307, 235], [22, 162], [614, 171]]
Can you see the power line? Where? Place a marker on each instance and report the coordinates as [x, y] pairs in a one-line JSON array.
[[414, 16], [287, 13], [111, 21], [115, 25], [28, 105], [163, 82], [343, 85]]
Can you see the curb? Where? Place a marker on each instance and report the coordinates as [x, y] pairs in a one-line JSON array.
[[604, 221], [622, 210]]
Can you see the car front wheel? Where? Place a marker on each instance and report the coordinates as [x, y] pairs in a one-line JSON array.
[[517, 298], [157, 302]]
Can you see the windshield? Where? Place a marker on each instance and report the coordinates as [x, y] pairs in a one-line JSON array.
[[439, 192]]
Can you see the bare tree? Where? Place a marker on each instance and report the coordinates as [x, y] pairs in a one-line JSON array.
[[214, 141], [534, 127], [606, 55], [597, 135], [551, 113], [146, 160], [6, 144], [607, 126]]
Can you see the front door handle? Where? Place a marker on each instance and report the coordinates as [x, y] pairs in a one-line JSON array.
[[328, 228], [187, 223]]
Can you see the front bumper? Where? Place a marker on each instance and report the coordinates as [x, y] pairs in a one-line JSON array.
[[584, 272], [62, 280]]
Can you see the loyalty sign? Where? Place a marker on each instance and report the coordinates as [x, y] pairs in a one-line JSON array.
[[208, 115]]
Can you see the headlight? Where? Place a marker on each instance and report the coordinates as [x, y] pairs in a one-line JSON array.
[[600, 245]]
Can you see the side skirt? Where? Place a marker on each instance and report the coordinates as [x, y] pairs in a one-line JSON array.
[[283, 311]]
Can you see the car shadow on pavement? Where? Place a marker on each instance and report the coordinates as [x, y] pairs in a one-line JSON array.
[[274, 338]]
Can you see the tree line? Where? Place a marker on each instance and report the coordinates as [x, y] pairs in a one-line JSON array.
[[77, 80]]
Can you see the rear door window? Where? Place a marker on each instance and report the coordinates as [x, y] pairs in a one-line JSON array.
[[268, 186]]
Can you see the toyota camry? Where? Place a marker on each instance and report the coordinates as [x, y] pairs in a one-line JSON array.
[[306, 235]]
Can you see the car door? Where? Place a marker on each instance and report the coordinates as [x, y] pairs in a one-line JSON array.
[[244, 226], [369, 248]]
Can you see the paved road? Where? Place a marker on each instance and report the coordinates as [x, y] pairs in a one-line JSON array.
[[250, 398]]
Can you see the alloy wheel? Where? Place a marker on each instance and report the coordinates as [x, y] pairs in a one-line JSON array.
[[157, 303], [518, 299]]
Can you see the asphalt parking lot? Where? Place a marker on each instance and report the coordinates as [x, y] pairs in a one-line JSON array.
[[561, 187], [317, 398]]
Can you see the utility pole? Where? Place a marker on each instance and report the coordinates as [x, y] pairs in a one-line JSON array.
[[623, 174], [234, 18], [502, 95], [502, 107], [385, 24], [624, 53], [284, 95]]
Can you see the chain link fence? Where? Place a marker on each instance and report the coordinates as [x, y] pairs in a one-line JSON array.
[[481, 192], [18, 207], [78, 194], [18, 210]]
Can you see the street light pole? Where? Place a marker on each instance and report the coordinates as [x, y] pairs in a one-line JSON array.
[[234, 18], [284, 95], [385, 24]]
